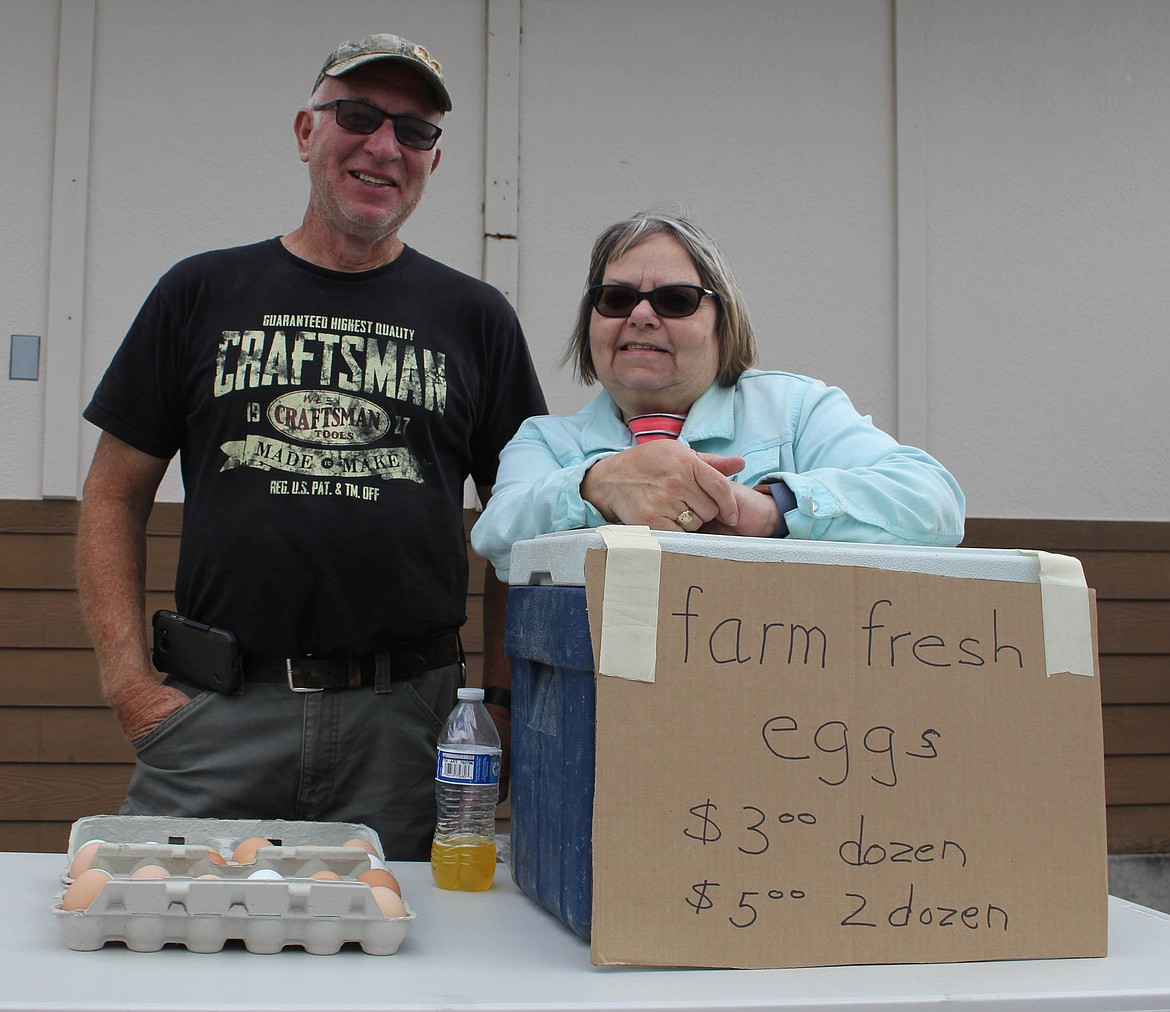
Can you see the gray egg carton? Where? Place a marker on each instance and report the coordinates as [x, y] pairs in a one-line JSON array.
[[267, 915]]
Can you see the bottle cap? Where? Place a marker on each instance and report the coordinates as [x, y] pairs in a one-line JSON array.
[[469, 694]]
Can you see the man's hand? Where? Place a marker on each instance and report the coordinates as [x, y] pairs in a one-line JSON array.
[[111, 566], [142, 703]]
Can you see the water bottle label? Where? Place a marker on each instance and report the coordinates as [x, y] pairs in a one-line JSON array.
[[455, 767]]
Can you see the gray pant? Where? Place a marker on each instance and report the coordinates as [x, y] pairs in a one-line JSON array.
[[342, 755]]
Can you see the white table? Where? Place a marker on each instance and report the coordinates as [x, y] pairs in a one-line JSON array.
[[498, 950]]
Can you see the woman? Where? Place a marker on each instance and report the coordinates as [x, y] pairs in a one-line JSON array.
[[720, 447]]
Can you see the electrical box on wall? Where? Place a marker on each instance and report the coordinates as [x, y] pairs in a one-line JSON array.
[[24, 357]]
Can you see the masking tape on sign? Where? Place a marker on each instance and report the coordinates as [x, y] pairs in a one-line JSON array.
[[1068, 630], [629, 617]]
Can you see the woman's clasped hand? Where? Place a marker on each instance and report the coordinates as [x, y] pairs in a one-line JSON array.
[[657, 482]]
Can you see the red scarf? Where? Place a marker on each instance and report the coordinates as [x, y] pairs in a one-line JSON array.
[[648, 427]]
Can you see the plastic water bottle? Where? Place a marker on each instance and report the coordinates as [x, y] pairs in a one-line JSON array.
[[467, 789]]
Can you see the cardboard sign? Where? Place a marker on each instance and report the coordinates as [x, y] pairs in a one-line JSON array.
[[841, 765]]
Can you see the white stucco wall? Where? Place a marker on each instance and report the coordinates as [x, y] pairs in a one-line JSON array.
[[28, 58], [1048, 202], [992, 170], [771, 123]]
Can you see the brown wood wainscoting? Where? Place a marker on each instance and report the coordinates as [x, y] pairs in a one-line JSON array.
[[62, 754], [1127, 563]]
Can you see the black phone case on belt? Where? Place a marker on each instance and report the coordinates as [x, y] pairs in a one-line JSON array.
[[196, 653]]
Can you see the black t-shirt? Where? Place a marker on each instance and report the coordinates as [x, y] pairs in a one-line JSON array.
[[327, 422]]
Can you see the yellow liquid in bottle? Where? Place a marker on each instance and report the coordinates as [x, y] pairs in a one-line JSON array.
[[469, 867]]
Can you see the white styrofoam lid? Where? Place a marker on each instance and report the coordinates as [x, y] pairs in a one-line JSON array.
[[559, 559]]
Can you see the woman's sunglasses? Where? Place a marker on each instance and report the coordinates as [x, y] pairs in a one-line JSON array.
[[361, 118], [671, 302]]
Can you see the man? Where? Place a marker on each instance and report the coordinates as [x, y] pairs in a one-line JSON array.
[[328, 391]]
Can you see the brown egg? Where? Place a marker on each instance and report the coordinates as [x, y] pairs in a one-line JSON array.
[[380, 877], [365, 845], [150, 871], [215, 857], [245, 852], [326, 876], [213, 877], [83, 859], [84, 889], [389, 901]]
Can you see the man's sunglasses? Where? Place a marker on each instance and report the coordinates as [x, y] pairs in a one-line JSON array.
[[360, 118], [671, 302]]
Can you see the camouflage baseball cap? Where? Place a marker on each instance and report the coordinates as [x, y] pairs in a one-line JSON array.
[[349, 55]]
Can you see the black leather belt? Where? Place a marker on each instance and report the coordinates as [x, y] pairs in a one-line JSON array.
[[312, 674]]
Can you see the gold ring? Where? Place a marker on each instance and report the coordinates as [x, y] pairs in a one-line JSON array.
[[685, 518]]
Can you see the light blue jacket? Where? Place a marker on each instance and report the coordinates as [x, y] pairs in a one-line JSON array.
[[852, 482]]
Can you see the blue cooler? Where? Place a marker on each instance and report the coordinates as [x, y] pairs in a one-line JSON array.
[[553, 692], [553, 726]]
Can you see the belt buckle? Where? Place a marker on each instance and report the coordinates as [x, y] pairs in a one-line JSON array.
[[288, 666]]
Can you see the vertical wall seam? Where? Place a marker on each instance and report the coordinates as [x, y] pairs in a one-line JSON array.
[[912, 371], [501, 158], [501, 178], [61, 427]]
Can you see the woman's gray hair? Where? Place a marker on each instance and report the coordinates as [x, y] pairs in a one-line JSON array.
[[733, 330]]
